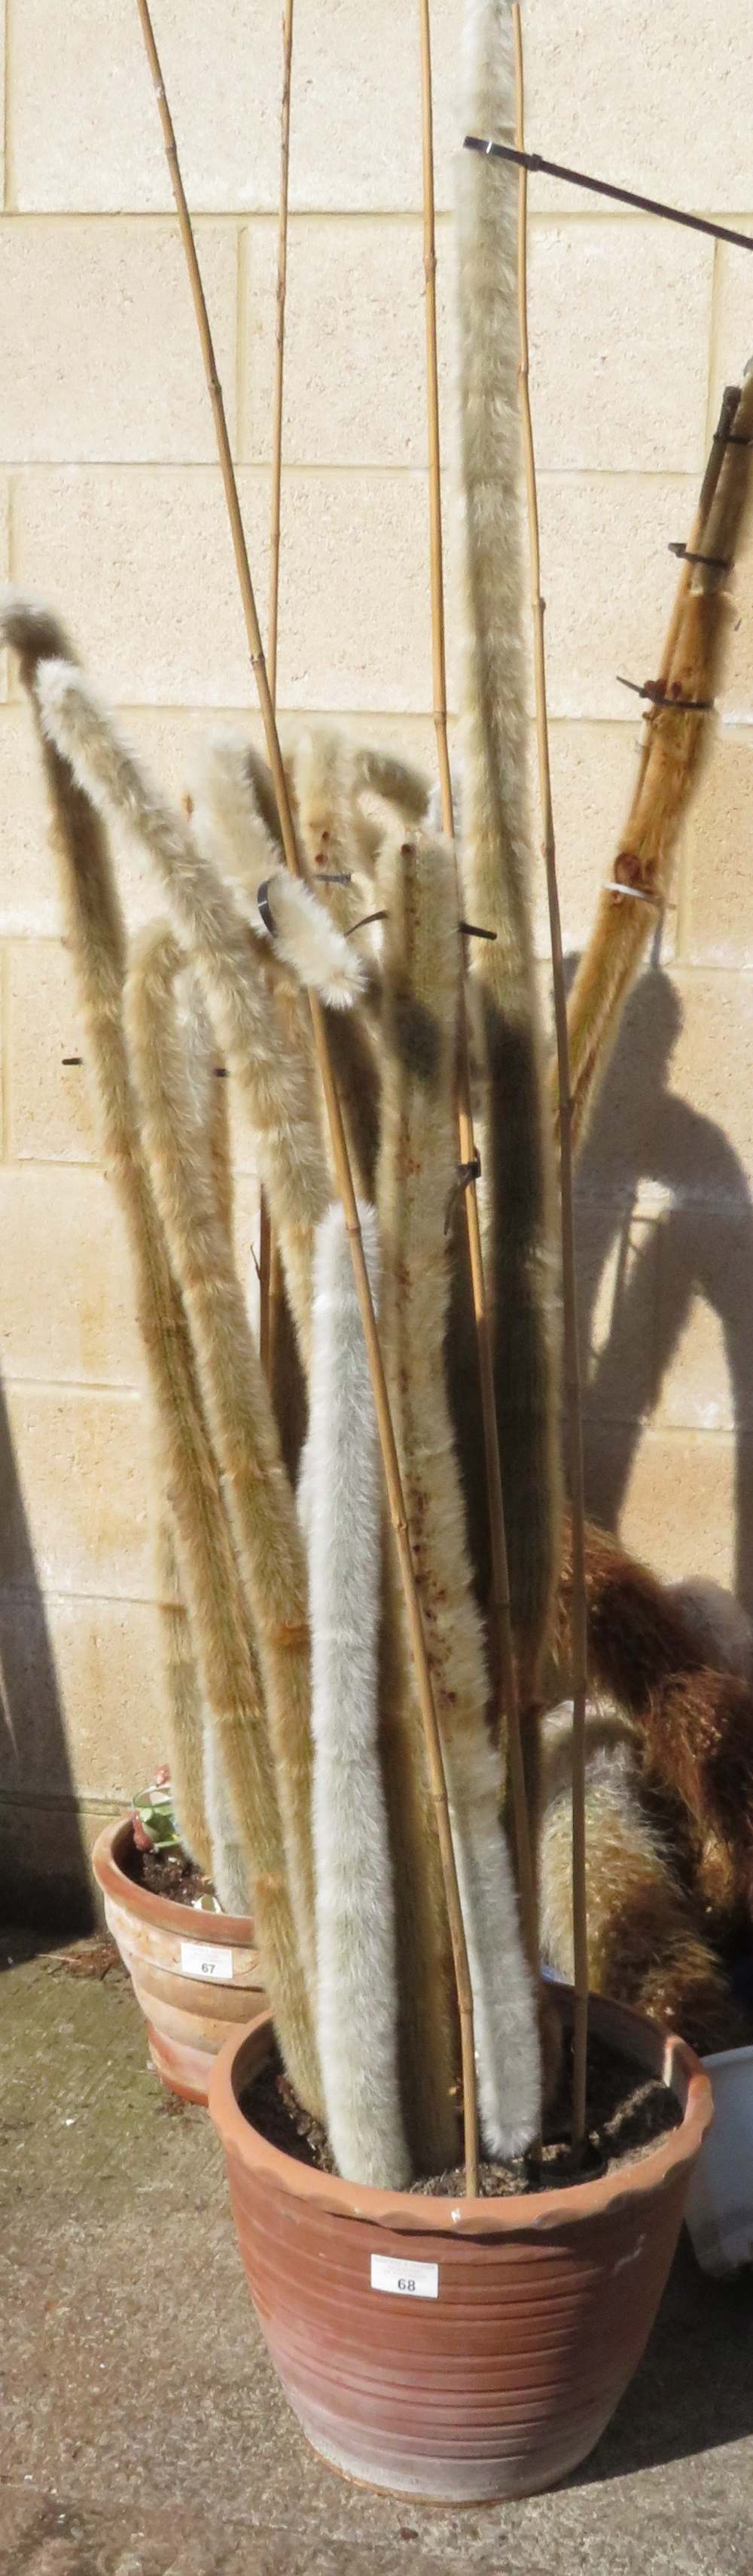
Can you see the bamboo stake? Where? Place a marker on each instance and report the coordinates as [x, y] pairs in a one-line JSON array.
[[605, 188], [675, 737], [500, 1619], [713, 468], [270, 1278], [282, 280], [569, 1285], [393, 1481], [267, 1260]]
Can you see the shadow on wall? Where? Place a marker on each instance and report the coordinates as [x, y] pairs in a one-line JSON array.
[[43, 1868], [698, 1247]]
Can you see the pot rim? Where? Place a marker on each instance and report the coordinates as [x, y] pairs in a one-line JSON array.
[[232, 1931], [536, 2213], [729, 2056]]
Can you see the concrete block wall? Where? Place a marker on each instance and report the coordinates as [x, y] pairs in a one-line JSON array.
[[110, 504]]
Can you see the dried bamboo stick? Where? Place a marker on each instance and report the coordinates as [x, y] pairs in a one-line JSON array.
[[279, 384], [714, 463], [340, 1156], [573, 1418], [605, 188], [268, 1258], [270, 1269], [500, 1623], [681, 704]]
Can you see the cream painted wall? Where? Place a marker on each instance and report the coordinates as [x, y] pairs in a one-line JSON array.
[[109, 503]]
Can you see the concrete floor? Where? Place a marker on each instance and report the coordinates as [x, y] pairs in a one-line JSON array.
[[142, 2432]]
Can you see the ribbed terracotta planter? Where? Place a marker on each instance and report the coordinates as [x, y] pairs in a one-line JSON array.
[[498, 2372], [196, 1976]]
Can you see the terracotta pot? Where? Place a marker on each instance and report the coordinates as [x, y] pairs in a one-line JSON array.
[[196, 1976], [496, 2372]]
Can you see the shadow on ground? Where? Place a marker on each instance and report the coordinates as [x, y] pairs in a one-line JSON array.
[[694, 2391], [142, 2430]]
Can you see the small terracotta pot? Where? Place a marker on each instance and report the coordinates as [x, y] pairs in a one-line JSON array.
[[498, 2370], [196, 1976]]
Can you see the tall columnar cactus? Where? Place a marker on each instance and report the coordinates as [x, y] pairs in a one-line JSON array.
[[201, 1799], [261, 1045], [421, 967], [235, 1394], [517, 1180], [222, 1631], [184, 1706], [355, 1925]]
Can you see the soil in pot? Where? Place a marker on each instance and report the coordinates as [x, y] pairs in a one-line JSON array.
[[628, 2114], [167, 1873]]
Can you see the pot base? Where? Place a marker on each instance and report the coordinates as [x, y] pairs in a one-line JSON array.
[[440, 2486], [182, 2070]]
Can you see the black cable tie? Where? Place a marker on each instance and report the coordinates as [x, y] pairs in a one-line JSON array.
[[679, 706], [72, 1059], [265, 908], [331, 877], [718, 563], [466, 1173], [220, 1073], [732, 438], [473, 930], [364, 923]]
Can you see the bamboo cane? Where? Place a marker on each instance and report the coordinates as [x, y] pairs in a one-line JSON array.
[[569, 1284], [338, 1139], [676, 735], [503, 1660], [714, 463], [270, 1275], [279, 385]]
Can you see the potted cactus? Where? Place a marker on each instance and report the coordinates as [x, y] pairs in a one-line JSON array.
[[367, 1563], [175, 1943], [304, 1664]]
